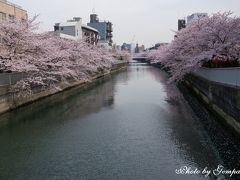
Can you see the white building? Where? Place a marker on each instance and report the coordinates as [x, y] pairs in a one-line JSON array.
[[196, 16], [74, 29]]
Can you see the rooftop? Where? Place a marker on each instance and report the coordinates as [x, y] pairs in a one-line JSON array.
[[68, 23], [12, 4], [88, 27]]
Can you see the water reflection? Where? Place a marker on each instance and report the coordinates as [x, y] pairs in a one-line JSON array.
[[71, 104], [121, 127]]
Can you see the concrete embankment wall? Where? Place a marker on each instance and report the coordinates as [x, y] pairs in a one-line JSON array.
[[10, 101], [222, 99]]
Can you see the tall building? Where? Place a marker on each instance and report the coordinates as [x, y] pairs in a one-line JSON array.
[[11, 11], [181, 24], [137, 48], [141, 48], [128, 47], [156, 46], [196, 16], [75, 29], [104, 28]]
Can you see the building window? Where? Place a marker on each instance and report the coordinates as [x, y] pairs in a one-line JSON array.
[[11, 17], [62, 28], [3, 16], [56, 28]]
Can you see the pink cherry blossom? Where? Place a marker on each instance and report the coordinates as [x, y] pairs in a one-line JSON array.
[[47, 58], [201, 41]]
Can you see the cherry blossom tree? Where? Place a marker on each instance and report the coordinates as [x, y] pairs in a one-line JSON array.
[[207, 39], [47, 58], [122, 55]]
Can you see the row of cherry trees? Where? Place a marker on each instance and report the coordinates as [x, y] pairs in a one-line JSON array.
[[46, 58], [205, 41]]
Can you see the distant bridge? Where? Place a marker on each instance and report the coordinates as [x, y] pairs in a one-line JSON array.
[[140, 59]]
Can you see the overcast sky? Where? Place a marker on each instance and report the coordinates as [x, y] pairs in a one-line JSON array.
[[149, 21]]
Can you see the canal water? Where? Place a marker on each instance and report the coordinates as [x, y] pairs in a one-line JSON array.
[[130, 125]]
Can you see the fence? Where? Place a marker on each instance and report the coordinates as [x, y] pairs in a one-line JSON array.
[[11, 78], [228, 76]]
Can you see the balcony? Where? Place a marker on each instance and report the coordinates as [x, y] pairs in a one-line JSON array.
[[109, 27], [109, 35]]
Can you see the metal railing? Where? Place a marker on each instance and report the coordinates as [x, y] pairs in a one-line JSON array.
[[11, 78], [228, 76], [14, 77]]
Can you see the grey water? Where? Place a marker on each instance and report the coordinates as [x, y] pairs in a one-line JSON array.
[[129, 125]]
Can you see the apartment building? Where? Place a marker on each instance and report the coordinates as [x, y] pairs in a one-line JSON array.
[[11, 11], [181, 24], [196, 16], [105, 29], [74, 29]]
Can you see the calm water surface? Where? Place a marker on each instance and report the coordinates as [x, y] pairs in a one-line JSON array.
[[125, 126]]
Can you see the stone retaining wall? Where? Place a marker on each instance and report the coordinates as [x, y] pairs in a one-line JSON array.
[[9, 101], [222, 99]]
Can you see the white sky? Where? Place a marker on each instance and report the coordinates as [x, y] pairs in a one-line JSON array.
[[149, 21]]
